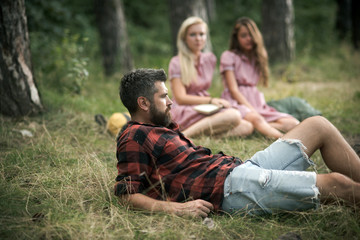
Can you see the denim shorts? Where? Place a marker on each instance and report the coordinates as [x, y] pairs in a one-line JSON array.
[[272, 181]]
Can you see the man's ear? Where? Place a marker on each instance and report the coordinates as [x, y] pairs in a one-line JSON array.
[[143, 103]]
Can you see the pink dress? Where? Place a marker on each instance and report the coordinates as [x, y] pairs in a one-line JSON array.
[[185, 115], [247, 78]]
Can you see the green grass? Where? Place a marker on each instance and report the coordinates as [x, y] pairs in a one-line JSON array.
[[59, 183]]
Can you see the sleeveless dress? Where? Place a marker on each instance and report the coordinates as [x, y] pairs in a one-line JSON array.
[[247, 78], [185, 115]]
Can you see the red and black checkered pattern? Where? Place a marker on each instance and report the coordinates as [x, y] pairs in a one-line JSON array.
[[163, 164]]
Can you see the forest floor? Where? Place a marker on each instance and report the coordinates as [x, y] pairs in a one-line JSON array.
[[57, 182]]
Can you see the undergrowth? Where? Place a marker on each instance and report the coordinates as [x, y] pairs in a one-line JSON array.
[[59, 182]]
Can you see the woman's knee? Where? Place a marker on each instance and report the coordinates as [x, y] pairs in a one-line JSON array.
[[247, 127], [232, 116], [287, 123], [291, 121], [255, 119]]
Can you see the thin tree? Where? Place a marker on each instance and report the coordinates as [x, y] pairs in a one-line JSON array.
[[343, 18], [180, 10], [113, 35], [278, 29], [211, 10], [355, 27], [18, 92], [348, 20]]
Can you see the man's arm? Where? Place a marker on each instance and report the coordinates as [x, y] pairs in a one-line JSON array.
[[195, 208]]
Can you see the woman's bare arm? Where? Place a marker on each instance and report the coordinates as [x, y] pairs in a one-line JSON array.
[[179, 92]]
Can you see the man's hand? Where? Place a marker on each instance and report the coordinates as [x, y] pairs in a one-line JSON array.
[[195, 208]]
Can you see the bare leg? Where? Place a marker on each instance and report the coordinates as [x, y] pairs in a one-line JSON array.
[[285, 124], [335, 185], [262, 126], [245, 128], [218, 123], [318, 133]]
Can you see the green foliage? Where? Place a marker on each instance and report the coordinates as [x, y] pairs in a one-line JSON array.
[[69, 57], [64, 67], [154, 48], [146, 14], [314, 26], [52, 17], [149, 29], [227, 12], [156, 45]]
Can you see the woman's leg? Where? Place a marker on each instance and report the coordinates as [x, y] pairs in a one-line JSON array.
[[245, 128], [285, 124], [318, 133], [219, 123], [262, 126]]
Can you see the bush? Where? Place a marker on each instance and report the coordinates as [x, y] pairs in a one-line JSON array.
[[61, 64]]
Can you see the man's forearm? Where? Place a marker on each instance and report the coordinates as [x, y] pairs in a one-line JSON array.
[[141, 201], [194, 208]]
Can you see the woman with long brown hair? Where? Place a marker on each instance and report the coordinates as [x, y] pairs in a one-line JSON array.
[[243, 67]]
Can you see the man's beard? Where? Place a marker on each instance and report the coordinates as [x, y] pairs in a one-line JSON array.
[[160, 118]]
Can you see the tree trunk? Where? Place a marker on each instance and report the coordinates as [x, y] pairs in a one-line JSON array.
[[18, 92], [180, 10], [113, 35], [211, 9], [126, 59], [278, 29], [355, 17], [343, 18]]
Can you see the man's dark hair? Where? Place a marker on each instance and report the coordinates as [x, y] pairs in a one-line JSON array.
[[140, 82]]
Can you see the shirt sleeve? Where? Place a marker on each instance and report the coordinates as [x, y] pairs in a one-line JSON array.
[[227, 61], [174, 68], [133, 168]]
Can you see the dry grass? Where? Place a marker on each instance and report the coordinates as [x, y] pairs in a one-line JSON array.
[[58, 183]]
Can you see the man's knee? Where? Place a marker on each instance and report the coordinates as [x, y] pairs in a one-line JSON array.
[[319, 124], [317, 120]]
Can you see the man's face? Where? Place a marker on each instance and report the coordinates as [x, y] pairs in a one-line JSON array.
[[160, 106]]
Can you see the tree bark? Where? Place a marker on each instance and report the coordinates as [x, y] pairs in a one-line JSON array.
[[278, 29], [211, 9], [113, 35], [355, 19], [343, 18], [18, 92], [180, 10]]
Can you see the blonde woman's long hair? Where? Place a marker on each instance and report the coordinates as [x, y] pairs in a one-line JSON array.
[[187, 64], [259, 52]]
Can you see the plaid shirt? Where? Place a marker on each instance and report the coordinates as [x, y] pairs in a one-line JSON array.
[[163, 164]]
